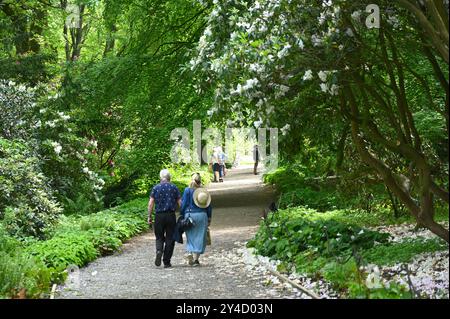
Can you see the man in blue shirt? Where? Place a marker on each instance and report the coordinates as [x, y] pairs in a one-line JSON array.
[[166, 196]]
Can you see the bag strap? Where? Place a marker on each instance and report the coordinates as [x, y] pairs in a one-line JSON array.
[[191, 195]]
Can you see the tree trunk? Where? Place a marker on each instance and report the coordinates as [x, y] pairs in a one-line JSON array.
[[341, 147], [423, 213]]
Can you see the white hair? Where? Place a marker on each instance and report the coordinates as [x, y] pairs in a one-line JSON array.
[[165, 175]]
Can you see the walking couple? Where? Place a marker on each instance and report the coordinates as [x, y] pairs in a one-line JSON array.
[[195, 204]]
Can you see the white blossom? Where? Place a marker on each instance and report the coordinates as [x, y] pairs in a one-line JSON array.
[[327, 3], [284, 52], [57, 147], [51, 124], [300, 44], [308, 75], [250, 84], [238, 91], [356, 15], [63, 116], [316, 40], [258, 124], [323, 76], [334, 90], [285, 129], [208, 31], [324, 87], [373, 281]]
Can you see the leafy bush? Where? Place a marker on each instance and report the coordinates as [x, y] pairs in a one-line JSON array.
[[402, 252], [297, 190], [62, 251], [323, 248], [59, 157], [298, 186], [27, 206], [308, 197], [341, 274], [28, 267], [284, 178], [104, 241], [393, 291], [28, 68], [288, 233], [20, 274]]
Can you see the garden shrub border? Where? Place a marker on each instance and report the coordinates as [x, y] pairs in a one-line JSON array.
[[296, 238], [73, 244]]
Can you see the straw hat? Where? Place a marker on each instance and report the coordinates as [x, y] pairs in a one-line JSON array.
[[202, 198]]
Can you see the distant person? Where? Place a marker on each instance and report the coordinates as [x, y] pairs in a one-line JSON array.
[[196, 204], [222, 163], [166, 196], [256, 159], [215, 164], [236, 160]]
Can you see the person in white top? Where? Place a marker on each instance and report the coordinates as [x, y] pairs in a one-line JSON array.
[[215, 164]]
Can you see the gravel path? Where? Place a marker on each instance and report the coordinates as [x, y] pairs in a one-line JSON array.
[[238, 204]]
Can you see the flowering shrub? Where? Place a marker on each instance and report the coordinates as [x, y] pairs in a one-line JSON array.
[[52, 166], [260, 57], [27, 204]]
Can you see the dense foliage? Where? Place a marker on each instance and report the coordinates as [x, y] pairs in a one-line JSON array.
[[26, 202], [28, 268], [290, 233]]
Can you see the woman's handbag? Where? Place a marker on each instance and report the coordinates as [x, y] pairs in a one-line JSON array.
[[187, 223], [208, 237]]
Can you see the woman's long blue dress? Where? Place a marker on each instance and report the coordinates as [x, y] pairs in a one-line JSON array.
[[196, 236]]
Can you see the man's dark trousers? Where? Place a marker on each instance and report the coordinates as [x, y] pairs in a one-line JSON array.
[[164, 229]]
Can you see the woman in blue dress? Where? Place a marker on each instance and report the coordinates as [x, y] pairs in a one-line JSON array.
[[196, 204]]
